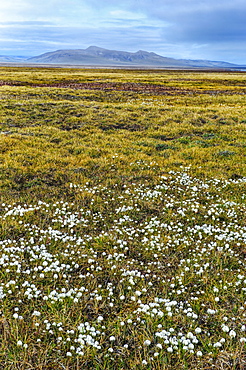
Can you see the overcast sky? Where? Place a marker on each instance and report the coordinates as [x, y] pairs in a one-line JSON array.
[[193, 29]]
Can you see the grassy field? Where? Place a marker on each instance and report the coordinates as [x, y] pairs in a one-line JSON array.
[[122, 219]]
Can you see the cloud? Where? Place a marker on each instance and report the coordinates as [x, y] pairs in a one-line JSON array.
[[178, 28], [208, 26], [122, 14], [207, 29], [53, 37], [192, 20]]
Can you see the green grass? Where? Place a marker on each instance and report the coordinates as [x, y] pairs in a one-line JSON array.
[[122, 219]]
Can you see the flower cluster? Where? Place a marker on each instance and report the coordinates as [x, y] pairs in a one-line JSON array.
[[151, 269]]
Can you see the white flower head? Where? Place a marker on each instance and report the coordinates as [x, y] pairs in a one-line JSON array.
[[232, 334], [147, 342]]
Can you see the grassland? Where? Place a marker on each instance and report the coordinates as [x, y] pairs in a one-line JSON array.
[[122, 219]]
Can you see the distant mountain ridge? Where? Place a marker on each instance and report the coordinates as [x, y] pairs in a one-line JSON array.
[[94, 55], [10, 59], [97, 56]]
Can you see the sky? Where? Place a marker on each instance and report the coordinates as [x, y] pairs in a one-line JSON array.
[[182, 29]]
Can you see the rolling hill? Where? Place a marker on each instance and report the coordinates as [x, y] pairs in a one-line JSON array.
[[97, 56], [11, 59]]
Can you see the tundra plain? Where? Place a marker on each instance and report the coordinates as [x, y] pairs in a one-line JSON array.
[[122, 219]]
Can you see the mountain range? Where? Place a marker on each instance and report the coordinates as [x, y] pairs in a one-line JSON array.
[[96, 56], [8, 59]]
